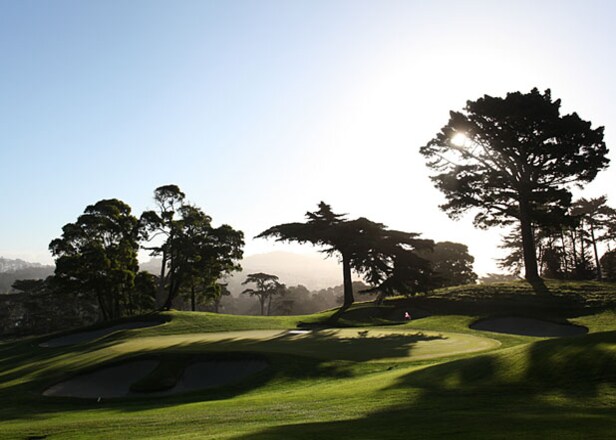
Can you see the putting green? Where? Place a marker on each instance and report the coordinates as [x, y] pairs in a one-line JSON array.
[[354, 344]]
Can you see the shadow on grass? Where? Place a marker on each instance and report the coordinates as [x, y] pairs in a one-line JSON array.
[[291, 357], [555, 389], [453, 417]]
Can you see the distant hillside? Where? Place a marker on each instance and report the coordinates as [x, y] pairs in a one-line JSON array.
[[312, 271], [12, 270], [8, 265]]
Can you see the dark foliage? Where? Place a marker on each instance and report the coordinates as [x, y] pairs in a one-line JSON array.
[[97, 255], [385, 258], [514, 159]]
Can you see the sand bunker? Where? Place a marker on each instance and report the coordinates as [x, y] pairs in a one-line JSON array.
[[211, 374], [105, 383], [528, 327], [78, 338], [115, 381]]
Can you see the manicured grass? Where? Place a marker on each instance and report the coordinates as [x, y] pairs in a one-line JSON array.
[[393, 382]]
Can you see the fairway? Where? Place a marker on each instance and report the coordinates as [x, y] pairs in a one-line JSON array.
[[351, 344]]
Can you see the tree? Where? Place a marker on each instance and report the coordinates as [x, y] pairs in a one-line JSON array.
[[608, 261], [593, 214], [514, 159], [97, 255], [218, 295], [452, 264], [195, 254], [609, 234], [199, 253], [157, 225], [266, 287], [385, 258]]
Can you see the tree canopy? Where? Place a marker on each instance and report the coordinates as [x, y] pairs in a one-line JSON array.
[[514, 159]]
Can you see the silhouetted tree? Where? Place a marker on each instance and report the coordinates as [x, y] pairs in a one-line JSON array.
[[218, 295], [199, 253], [514, 159], [195, 255], [451, 263], [385, 258], [98, 255], [609, 231], [266, 287], [593, 215], [157, 225], [608, 261]]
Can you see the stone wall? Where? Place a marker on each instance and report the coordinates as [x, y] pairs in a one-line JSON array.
[[30, 314]]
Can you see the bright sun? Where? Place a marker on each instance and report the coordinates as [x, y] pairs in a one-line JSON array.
[[460, 140]]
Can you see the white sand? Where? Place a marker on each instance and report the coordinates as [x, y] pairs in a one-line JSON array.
[[528, 327], [105, 383], [78, 338]]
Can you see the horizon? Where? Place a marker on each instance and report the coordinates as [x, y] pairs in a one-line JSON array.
[[258, 111]]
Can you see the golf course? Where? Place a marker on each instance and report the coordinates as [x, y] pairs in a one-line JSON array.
[[214, 376]]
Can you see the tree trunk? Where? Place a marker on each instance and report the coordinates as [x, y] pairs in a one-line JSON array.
[[528, 243], [575, 256], [101, 305], [565, 256], [262, 303], [594, 246], [192, 297], [116, 305], [348, 283], [160, 294], [174, 287]]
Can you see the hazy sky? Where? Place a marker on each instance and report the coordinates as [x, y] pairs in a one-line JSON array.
[[260, 109]]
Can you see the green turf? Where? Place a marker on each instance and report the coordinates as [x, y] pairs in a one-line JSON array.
[[385, 382]]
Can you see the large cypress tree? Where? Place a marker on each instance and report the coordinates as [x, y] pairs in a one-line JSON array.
[[384, 257], [514, 159]]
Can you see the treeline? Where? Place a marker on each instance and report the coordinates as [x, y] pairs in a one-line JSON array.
[[291, 300], [96, 258], [571, 249]]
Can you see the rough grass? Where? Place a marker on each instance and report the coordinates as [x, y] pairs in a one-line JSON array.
[[529, 388]]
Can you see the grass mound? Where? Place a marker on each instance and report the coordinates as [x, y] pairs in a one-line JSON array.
[[564, 299]]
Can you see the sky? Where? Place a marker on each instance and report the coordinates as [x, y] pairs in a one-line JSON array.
[[258, 110]]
